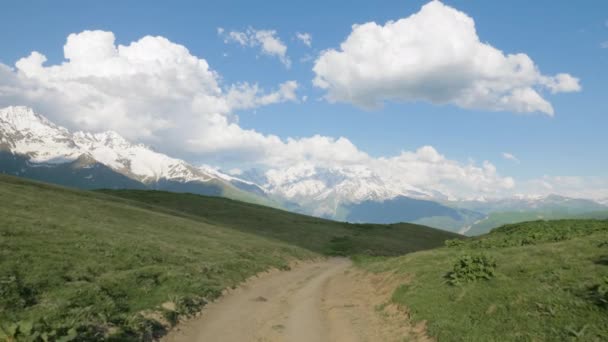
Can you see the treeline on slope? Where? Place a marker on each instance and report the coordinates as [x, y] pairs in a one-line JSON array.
[[539, 280], [81, 265]]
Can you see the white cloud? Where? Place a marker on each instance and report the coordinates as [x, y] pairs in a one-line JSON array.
[[247, 96], [151, 90], [430, 170], [604, 45], [305, 38], [436, 56], [155, 91], [511, 157], [570, 186], [561, 83], [267, 40]]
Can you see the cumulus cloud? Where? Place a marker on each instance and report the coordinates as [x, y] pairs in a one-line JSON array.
[[151, 90], [267, 40], [511, 157], [434, 55], [305, 38], [431, 170], [246, 96], [156, 92], [570, 186]]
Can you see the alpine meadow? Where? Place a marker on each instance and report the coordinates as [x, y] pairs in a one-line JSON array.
[[425, 170]]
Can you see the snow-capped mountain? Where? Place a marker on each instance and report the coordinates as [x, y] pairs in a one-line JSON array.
[[26, 133], [325, 190], [356, 194], [32, 146]]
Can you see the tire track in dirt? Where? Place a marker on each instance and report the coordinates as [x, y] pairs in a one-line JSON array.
[[322, 301]]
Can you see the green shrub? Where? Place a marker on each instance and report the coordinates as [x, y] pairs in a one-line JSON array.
[[471, 268], [171, 316], [188, 306], [142, 328], [33, 332], [15, 294], [340, 246], [599, 293], [454, 243]]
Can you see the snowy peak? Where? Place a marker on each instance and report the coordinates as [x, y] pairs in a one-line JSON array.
[[325, 190], [109, 138], [24, 132], [347, 184], [19, 118]]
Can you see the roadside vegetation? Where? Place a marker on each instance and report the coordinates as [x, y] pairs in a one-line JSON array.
[[532, 281], [79, 265]]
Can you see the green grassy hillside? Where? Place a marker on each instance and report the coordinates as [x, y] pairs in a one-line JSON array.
[[315, 234], [87, 264], [533, 281]]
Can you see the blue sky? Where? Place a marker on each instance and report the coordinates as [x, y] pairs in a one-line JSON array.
[[560, 37]]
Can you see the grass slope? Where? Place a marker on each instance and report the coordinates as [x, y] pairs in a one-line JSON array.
[[86, 260], [533, 281], [90, 266], [315, 234]]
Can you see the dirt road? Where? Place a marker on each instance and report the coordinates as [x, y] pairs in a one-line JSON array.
[[324, 301]]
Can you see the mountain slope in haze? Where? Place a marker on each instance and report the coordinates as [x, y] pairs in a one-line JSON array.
[[497, 219], [91, 264], [34, 147], [514, 210], [531, 281], [83, 172], [405, 209], [555, 203]]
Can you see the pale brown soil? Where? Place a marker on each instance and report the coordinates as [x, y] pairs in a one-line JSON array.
[[322, 301]]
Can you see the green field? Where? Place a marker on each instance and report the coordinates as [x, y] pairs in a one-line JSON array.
[[100, 265], [533, 281]]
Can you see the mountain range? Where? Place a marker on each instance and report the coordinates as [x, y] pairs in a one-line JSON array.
[[32, 146]]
